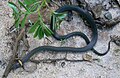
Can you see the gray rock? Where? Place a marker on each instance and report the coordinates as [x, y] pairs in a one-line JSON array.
[[108, 15]]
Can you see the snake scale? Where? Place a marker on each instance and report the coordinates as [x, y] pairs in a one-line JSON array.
[[90, 43]]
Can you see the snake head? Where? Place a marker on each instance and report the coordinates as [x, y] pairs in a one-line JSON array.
[[115, 39]]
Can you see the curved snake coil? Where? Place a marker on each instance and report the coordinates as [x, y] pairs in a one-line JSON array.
[[89, 46]]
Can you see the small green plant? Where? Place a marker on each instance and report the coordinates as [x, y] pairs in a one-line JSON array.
[[38, 28]]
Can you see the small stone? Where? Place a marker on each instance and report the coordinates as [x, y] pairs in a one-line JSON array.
[[30, 67], [108, 15], [87, 57]]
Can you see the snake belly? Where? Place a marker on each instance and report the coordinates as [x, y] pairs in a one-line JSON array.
[[89, 46]]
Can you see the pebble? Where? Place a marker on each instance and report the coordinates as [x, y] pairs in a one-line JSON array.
[[108, 15], [30, 67], [87, 57]]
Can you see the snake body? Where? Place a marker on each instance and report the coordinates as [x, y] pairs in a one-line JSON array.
[[89, 46]]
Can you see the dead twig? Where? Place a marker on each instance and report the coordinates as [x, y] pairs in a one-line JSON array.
[[13, 57]]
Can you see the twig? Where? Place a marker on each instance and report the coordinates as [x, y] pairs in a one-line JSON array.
[[13, 57]]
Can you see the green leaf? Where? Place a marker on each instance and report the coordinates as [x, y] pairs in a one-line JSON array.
[[13, 6], [36, 32], [29, 2], [34, 7], [41, 33], [61, 17], [17, 22], [23, 21], [57, 19], [16, 15], [32, 29], [23, 6], [57, 26], [58, 14], [47, 31]]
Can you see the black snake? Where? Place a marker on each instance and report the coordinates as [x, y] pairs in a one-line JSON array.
[[89, 46]]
